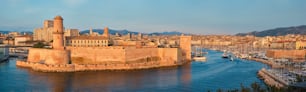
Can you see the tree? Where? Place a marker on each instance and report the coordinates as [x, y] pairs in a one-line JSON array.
[[39, 45], [255, 86]]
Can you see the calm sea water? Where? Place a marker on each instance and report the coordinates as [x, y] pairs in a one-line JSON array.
[[194, 77]]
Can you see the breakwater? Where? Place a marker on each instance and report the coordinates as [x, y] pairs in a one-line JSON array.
[[93, 67], [271, 79], [270, 63]]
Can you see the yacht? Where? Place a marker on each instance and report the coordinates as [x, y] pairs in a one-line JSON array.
[[224, 55], [232, 59]]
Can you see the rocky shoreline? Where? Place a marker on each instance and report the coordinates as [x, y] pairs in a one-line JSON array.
[[92, 67]]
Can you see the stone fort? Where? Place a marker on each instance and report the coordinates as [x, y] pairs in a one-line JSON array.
[[109, 57]]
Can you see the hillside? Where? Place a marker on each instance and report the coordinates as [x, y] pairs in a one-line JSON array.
[[278, 31], [21, 32], [124, 32]]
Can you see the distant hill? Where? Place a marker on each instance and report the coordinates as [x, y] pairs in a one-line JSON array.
[[21, 32], [4, 32], [278, 31], [166, 33], [124, 32]]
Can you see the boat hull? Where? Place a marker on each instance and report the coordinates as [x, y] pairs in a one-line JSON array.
[[199, 58]]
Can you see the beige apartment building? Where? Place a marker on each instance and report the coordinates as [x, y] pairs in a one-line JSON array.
[[46, 33]]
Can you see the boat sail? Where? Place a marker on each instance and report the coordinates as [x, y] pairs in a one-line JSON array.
[[199, 54]]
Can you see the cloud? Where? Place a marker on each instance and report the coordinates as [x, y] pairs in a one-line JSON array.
[[74, 3]]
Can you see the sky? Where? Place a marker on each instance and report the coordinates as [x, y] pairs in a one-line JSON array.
[[187, 16]]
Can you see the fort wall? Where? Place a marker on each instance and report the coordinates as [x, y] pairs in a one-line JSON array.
[[119, 54], [102, 58], [48, 56], [97, 55], [293, 54], [134, 54], [90, 67]]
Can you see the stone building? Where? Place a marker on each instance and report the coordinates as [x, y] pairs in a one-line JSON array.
[[185, 45], [95, 50], [87, 41], [58, 54], [72, 32]]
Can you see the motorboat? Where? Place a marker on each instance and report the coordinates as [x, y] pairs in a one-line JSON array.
[[224, 55], [232, 59]]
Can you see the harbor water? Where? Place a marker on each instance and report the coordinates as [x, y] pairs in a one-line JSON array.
[[213, 74]]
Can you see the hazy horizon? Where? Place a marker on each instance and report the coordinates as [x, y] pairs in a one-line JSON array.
[[187, 16]]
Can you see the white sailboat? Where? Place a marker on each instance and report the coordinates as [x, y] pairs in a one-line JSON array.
[[199, 55]]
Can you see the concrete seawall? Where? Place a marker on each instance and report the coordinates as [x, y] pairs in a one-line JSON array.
[[270, 79], [272, 64], [92, 67]]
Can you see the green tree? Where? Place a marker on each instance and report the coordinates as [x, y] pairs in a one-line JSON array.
[[255, 86], [244, 89], [39, 45]]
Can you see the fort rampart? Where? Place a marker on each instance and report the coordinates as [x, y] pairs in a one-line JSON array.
[[92, 67], [119, 54], [293, 54], [101, 58], [48, 56]]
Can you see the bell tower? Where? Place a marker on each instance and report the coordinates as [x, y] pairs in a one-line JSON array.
[[58, 32], [105, 33]]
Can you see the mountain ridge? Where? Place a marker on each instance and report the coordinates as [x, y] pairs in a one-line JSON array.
[[280, 31], [124, 32]]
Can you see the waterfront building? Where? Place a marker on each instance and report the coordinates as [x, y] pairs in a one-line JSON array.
[[98, 52], [23, 40], [295, 55]]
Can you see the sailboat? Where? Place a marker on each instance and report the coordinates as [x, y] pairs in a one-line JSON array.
[[199, 55]]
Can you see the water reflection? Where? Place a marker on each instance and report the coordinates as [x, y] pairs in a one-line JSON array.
[[138, 80]]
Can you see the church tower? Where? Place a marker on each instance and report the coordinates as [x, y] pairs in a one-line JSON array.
[[90, 32], [58, 32], [105, 33]]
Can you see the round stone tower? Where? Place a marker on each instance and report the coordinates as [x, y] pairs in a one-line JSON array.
[[58, 32]]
